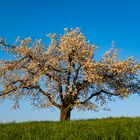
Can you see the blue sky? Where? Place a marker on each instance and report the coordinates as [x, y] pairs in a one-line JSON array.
[[100, 20]]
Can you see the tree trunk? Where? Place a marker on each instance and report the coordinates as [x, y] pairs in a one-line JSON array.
[[65, 114]]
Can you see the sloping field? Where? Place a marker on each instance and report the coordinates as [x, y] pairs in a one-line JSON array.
[[98, 129]]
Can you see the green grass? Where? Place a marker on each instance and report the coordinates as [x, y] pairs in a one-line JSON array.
[[98, 129]]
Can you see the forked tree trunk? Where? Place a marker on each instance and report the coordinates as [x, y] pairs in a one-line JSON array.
[[65, 114]]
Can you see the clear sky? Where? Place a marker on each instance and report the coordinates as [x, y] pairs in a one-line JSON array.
[[100, 20]]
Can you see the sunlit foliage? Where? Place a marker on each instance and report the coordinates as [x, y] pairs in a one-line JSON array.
[[65, 73]]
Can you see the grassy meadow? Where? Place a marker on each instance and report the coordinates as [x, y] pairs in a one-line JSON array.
[[97, 129]]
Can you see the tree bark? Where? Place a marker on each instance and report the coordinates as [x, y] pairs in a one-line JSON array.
[[65, 114]]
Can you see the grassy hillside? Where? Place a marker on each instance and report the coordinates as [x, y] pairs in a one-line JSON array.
[[100, 129]]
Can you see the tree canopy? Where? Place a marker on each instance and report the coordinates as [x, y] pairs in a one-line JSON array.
[[65, 73]]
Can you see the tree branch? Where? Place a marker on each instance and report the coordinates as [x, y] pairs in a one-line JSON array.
[[76, 75], [48, 95], [7, 92], [24, 85], [91, 96], [82, 86], [109, 93], [60, 92], [97, 94], [42, 68]]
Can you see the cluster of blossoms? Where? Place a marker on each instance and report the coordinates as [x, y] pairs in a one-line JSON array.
[[65, 73]]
